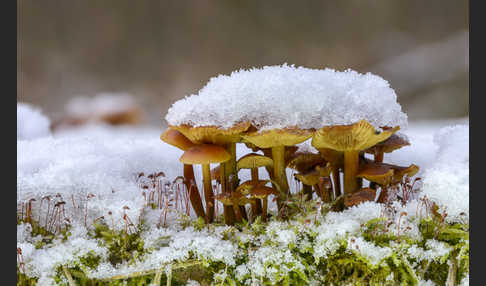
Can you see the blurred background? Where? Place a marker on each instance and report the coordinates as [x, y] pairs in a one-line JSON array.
[[161, 51]]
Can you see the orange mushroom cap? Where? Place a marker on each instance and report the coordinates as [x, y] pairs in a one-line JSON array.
[[205, 154], [176, 138]]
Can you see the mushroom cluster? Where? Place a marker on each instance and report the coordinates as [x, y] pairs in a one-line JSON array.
[[341, 141], [341, 150]]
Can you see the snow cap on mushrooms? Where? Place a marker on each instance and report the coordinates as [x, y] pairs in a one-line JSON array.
[[278, 97]]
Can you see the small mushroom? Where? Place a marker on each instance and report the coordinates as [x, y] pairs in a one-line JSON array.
[[177, 139], [234, 200], [336, 159], [227, 138], [303, 162], [385, 174], [394, 142], [205, 154], [313, 177], [262, 192], [350, 139], [362, 195], [253, 161], [277, 139], [246, 187]]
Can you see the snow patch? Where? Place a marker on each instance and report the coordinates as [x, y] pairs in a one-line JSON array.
[[284, 96]]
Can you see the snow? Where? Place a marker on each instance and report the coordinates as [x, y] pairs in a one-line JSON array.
[[373, 253], [95, 158], [446, 182], [31, 122], [284, 96], [99, 159], [434, 251]]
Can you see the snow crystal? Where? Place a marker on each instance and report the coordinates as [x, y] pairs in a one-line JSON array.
[[435, 250], [373, 253], [269, 261], [283, 96], [446, 182], [31, 122], [338, 225]]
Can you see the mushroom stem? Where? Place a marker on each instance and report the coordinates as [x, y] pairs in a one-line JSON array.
[[324, 191], [336, 180], [254, 174], [191, 186], [236, 209], [256, 207], [378, 156], [351, 164], [229, 215], [228, 169], [208, 192], [264, 210], [278, 156], [307, 190], [243, 212], [383, 195]]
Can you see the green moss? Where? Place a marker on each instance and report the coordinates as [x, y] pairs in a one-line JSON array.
[[121, 245]]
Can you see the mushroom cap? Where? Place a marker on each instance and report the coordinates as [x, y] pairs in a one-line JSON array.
[[400, 172], [253, 160], [376, 172], [334, 157], [362, 195], [358, 136], [261, 192], [176, 138], [278, 137], [224, 198], [228, 198], [245, 187], [312, 177], [213, 134], [240, 198], [205, 154], [385, 174], [393, 142], [304, 161]]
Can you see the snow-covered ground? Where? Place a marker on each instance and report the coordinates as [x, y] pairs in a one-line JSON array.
[[96, 171]]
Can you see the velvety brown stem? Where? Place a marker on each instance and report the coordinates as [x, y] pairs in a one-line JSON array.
[[324, 191], [253, 209], [229, 214], [336, 180], [378, 156], [383, 195], [254, 174], [264, 210], [317, 190], [307, 190], [194, 196], [228, 169], [243, 213], [208, 192], [256, 208], [237, 211], [351, 164]]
